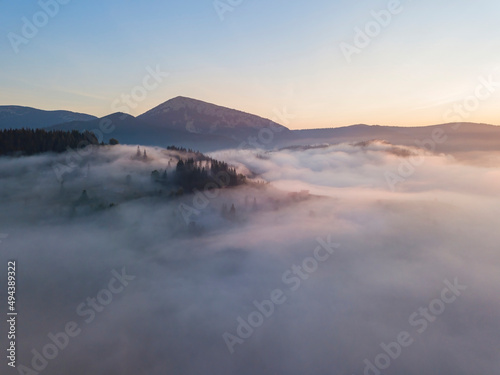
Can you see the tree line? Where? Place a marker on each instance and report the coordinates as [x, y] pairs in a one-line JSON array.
[[16, 142], [191, 175]]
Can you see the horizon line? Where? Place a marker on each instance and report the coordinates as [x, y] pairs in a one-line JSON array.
[[252, 114]]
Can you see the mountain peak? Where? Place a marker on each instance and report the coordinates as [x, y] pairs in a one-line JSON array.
[[181, 102], [196, 116], [119, 116]]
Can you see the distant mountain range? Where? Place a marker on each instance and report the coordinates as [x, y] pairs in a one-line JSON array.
[[207, 127], [444, 138], [16, 117]]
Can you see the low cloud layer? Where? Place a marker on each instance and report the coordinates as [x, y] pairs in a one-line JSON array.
[[191, 285]]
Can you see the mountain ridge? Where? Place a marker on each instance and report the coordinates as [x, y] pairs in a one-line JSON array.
[[16, 117], [180, 102], [197, 116], [196, 124]]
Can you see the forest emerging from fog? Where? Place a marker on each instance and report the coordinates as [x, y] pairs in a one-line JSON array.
[[348, 258]]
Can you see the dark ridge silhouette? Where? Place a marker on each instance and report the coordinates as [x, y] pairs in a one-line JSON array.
[[17, 142], [17, 117]]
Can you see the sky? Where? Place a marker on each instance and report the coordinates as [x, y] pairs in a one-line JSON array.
[[418, 62]]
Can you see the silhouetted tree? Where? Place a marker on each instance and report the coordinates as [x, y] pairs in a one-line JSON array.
[[155, 176], [232, 211]]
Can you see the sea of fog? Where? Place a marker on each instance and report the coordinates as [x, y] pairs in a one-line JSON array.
[[347, 259]]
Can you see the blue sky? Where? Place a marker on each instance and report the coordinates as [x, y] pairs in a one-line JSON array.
[[262, 58]]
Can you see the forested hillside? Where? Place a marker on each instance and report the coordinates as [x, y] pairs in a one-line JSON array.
[[17, 142]]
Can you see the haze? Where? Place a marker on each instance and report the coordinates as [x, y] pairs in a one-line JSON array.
[[258, 57], [392, 253], [250, 187]]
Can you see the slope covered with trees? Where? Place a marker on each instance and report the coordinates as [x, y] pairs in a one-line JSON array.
[[16, 142], [196, 171]]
